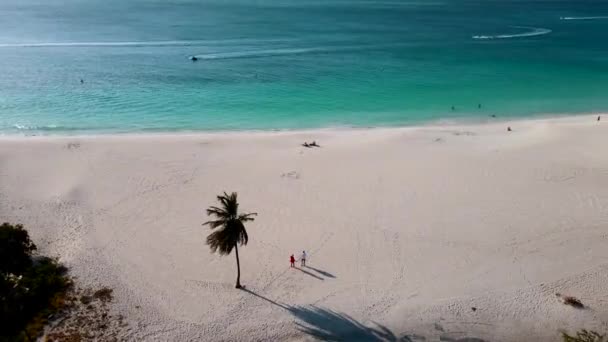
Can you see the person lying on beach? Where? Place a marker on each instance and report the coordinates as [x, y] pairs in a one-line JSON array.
[[312, 144]]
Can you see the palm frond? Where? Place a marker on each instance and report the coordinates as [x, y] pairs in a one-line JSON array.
[[228, 202], [246, 217], [215, 224], [221, 241], [231, 223], [243, 238], [219, 212], [237, 228]]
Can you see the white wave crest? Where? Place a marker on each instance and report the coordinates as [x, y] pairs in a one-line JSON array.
[[583, 18], [18, 126], [39, 128], [533, 31]]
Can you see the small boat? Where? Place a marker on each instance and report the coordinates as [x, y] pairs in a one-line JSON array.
[[193, 58]]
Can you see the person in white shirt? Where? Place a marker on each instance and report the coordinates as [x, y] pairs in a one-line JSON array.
[[303, 259]]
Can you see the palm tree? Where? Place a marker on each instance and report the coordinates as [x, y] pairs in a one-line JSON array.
[[232, 230]]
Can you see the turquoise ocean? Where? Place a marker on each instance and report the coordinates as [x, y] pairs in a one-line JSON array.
[[294, 64]]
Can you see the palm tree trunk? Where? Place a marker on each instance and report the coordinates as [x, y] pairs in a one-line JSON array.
[[238, 267]]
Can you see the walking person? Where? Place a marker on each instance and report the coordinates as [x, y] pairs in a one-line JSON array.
[[292, 260], [303, 259]]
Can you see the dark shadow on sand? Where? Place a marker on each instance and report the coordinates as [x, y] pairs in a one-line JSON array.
[[328, 325], [282, 306], [321, 272], [464, 339], [310, 274]]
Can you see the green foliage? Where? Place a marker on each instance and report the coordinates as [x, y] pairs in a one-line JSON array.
[[584, 336], [31, 288], [15, 248]]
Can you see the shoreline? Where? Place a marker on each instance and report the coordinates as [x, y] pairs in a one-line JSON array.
[[432, 125]]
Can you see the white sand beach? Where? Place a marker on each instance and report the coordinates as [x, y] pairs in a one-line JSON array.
[[407, 229]]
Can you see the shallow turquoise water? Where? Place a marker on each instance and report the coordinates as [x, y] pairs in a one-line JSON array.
[[283, 64]]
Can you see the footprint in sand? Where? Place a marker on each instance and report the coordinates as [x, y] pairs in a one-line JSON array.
[[291, 174], [467, 133], [72, 145]]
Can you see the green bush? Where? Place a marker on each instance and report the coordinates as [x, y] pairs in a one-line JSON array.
[[584, 336], [15, 248], [32, 288]]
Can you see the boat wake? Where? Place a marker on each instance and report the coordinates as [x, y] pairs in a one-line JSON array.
[[533, 31], [260, 53], [159, 43], [287, 51], [583, 18]]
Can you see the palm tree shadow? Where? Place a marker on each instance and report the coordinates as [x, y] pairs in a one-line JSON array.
[[282, 306], [328, 325], [324, 273], [310, 274], [465, 339]]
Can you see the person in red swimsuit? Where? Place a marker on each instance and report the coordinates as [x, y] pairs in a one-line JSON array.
[[292, 260]]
